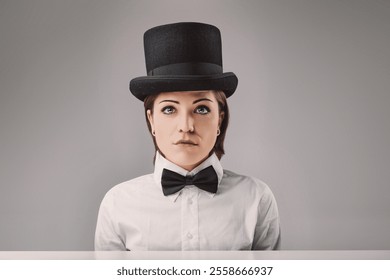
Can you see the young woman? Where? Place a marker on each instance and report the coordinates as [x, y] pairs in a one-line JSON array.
[[190, 202]]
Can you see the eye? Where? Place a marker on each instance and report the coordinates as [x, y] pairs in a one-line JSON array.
[[168, 110], [202, 109]]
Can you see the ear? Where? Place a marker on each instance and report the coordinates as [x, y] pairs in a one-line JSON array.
[[150, 118], [221, 116]]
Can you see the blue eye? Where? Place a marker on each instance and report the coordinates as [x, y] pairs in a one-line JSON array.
[[168, 110], [203, 110]]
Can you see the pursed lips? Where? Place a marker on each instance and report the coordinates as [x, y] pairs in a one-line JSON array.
[[185, 142]]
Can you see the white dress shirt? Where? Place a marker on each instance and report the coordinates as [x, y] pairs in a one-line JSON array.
[[135, 215]]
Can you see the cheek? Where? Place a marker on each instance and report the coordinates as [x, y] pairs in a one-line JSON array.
[[162, 125], [208, 130], [208, 124], [163, 129]]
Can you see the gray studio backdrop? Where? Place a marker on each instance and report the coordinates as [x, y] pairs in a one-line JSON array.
[[310, 116]]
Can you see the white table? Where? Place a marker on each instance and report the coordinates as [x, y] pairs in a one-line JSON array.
[[195, 255]]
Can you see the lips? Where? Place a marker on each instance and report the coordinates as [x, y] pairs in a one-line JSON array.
[[185, 142]]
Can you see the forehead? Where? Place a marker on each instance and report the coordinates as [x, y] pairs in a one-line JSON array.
[[185, 95]]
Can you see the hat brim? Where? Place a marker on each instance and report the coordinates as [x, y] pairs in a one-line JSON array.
[[142, 87]]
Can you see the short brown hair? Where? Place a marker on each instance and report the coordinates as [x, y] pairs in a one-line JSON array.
[[223, 107]]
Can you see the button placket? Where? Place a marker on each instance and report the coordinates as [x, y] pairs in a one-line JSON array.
[[190, 239]]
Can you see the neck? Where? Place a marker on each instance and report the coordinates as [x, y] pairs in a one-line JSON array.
[[188, 167]]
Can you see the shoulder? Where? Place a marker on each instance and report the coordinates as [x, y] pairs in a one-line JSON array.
[[249, 190], [250, 183], [130, 187]]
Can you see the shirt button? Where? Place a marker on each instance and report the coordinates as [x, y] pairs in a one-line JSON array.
[[189, 235], [190, 201]]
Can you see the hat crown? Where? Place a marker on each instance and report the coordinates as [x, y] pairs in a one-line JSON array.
[[183, 48], [184, 56]]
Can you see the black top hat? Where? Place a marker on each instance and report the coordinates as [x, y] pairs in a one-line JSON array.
[[183, 56]]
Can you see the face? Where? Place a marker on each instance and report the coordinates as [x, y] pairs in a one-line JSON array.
[[186, 126]]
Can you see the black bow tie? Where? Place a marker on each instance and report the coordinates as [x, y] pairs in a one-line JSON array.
[[205, 179]]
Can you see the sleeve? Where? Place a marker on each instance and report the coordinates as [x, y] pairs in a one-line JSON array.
[[106, 234], [267, 232]]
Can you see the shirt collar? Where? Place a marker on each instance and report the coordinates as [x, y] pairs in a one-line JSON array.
[[162, 163]]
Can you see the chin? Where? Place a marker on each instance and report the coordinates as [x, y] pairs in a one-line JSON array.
[[186, 160]]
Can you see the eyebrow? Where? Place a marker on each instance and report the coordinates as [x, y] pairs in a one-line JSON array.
[[201, 99], [168, 100], [177, 102]]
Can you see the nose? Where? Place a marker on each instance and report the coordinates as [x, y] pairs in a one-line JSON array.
[[185, 123]]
